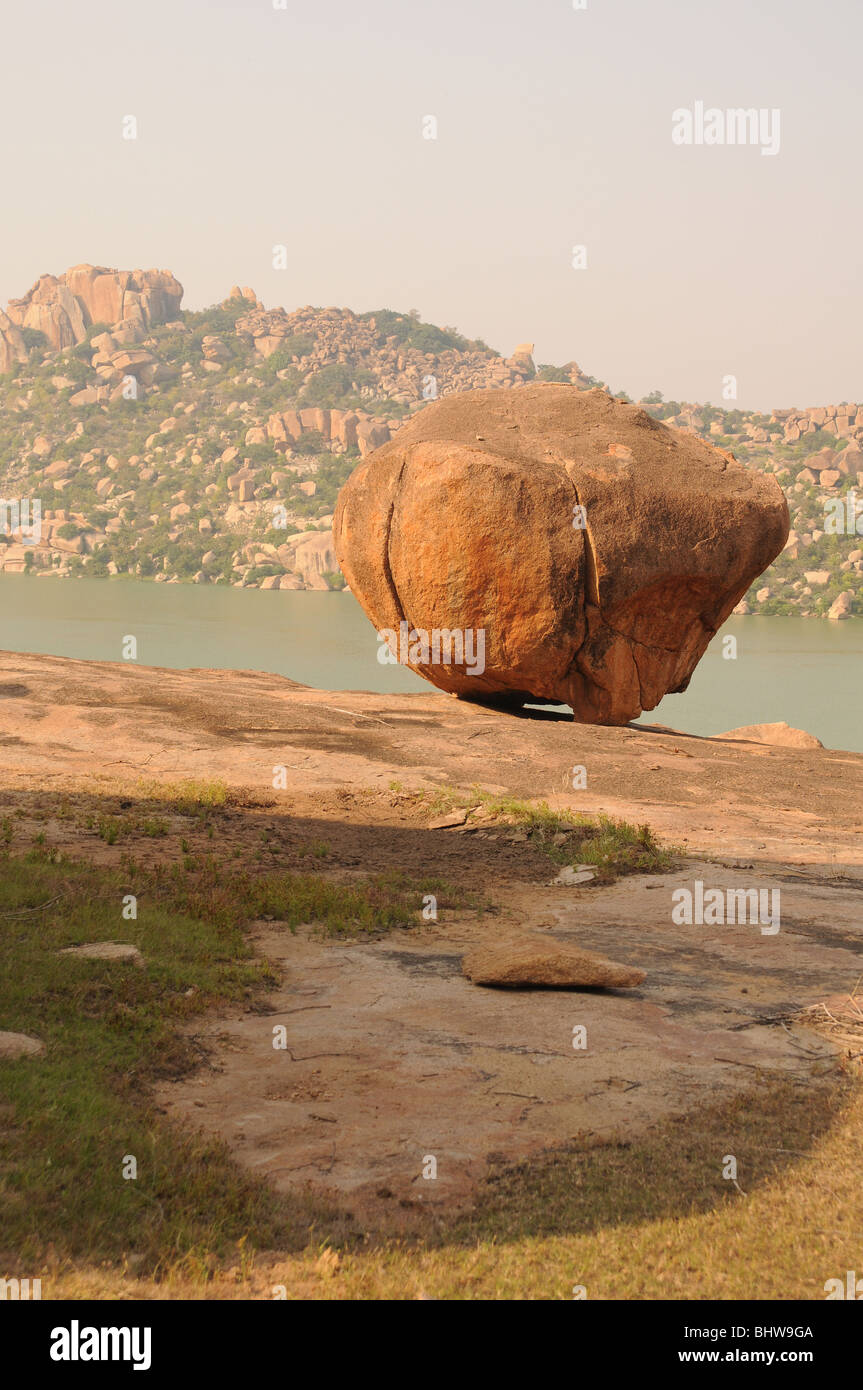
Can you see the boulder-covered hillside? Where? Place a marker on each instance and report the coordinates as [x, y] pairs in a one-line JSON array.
[[210, 446]]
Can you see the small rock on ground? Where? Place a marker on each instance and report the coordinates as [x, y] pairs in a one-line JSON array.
[[19, 1045], [106, 950], [538, 960], [578, 873], [448, 822]]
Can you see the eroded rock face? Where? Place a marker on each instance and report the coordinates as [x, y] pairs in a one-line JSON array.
[[64, 307], [465, 521], [12, 346]]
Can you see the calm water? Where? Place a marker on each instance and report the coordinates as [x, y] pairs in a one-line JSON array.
[[806, 672]]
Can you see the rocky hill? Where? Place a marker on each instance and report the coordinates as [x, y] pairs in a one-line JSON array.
[[210, 446]]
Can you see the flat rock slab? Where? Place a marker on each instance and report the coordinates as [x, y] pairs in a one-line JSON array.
[[448, 822], [708, 794], [540, 960], [19, 1045], [392, 1054], [572, 875], [105, 950], [780, 735]]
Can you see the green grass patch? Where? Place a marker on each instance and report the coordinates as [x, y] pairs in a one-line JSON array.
[[612, 847], [651, 1216], [112, 829], [190, 797], [73, 1115], [70, 1118], [200, 887]]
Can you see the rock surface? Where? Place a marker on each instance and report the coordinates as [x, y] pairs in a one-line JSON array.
[[64, 307], [539, 960], [573, 874], [106, 950], [467, 521], [418, 1061], [781, 734], [19, 1045], [841, 607], [405, 1047]]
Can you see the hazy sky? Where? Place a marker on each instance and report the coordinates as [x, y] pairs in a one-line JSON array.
[[304, 126]]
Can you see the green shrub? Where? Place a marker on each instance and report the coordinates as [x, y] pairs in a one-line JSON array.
[[35, 341]]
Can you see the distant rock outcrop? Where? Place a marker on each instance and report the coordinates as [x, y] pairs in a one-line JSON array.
[[12, 346], [282, 401], [409, 375], [343, 429], [63, 307], [596, 550]]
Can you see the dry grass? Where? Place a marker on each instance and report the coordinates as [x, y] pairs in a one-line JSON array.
[[647, 1219], [841, 1020], [611, 847]]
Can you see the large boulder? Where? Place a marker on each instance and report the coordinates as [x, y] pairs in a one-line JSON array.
[[470, 520]]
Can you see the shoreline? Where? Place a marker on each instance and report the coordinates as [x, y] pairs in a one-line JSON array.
[[146, 580]]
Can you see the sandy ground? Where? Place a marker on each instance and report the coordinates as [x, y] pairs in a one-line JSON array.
[[393, 1057]]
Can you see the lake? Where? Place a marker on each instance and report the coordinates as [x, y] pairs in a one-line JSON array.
[[805, 671]]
